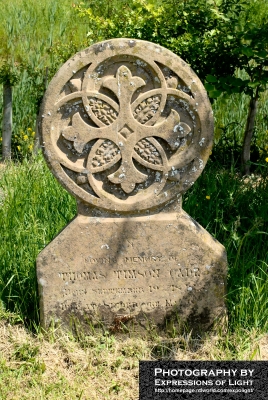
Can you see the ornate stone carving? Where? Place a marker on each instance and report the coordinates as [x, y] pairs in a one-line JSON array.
[[126, 129]]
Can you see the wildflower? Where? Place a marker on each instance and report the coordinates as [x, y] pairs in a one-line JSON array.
[[1, 139], [208, 197], [25, 137], [19, 148], [29, 129], [33, 134], [266, 159], [30, 147]]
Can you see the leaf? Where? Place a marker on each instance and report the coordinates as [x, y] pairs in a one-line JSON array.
[[223, 79], [247, 51], [211, 78], [236, 81], [262, 54], [214, 93], [255, 84], [209, 87]]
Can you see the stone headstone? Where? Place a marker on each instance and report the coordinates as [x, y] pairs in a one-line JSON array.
[[127, 127]]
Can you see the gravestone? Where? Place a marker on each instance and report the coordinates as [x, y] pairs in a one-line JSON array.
[[127, 127]]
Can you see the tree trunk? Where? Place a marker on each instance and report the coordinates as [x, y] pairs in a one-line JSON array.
[[37, 144], [7, 121], [252, 111]]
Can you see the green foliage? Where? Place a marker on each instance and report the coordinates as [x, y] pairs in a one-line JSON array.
[[224, 41], [252, 57], [48, 21], [230, 113], [36, 38], [235, 212], [216, 37], [25, 352], [34, 209], [23, 144], [9, 73], [27, 225]]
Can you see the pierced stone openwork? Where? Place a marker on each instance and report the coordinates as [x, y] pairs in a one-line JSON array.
[[126, 125]]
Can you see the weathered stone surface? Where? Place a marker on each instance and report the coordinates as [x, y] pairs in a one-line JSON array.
[[127, 128], [150, 268]]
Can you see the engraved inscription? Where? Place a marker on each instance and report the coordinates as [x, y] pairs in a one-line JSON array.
[[139, 259], [132, 306], [100, 260], [184, 272], [119, 290], [126, 274], [79, 276], [76, 292], [153, 288], [170, 303], [133, 274], [173, 281]]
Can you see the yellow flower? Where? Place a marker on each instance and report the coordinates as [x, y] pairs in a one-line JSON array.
[[29, 129], [19, 148], [25, 137], [208, 197], [33, 134], [1, 139], [266, 159], [30, 147]]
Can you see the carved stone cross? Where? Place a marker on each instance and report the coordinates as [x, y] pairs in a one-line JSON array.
[[127, 129]]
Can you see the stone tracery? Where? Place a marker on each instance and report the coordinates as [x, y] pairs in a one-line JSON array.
[[119, 135]]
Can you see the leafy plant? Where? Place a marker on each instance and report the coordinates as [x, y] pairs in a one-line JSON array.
[[216, 37]]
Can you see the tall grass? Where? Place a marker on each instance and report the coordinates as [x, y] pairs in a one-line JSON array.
[[230, 115], [34, 209], [236, 215], [37, 38]]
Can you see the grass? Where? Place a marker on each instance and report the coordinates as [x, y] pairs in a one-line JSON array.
[[236, 214], [230, 114], [33, 208], [234, 210], [58, 37], [56, 364]]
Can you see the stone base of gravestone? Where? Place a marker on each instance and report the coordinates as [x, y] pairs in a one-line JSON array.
[[155, 269]]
